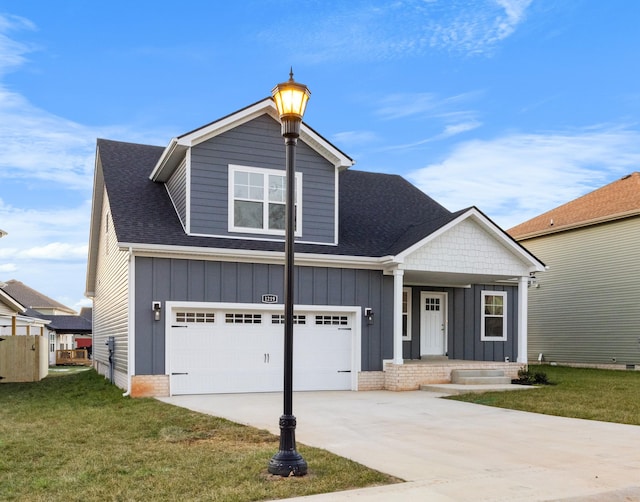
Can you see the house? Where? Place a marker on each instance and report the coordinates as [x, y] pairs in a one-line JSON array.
[[66, 330], [584, 310], [186, 273], [23, 346]]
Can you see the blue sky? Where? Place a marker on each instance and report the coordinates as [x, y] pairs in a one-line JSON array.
[[514, 106]]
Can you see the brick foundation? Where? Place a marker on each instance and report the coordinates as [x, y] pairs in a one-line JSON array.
[[149, 386], [413, 374], [371, 380]]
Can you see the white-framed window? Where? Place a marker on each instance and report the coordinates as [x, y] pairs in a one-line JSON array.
[[494, 316], [240, 318], [195, 317], [406, 314], [257, 200], [297, 319], [332, 320]]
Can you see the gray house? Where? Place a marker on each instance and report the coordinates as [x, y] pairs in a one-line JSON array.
[[584, 309], [186, 269]]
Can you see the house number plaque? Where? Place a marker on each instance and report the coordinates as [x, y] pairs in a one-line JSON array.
[[269, 298]]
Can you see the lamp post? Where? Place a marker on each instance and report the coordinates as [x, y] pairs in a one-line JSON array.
[[291, 101]]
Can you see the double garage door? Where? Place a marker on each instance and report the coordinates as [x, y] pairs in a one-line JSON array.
[[217, 350]]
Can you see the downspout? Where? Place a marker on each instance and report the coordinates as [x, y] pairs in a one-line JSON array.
[[131, 344]]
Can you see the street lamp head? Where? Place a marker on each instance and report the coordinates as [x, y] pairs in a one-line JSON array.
[[291, 101]]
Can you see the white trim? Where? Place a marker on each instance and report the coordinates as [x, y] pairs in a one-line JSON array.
[[398, 276], [356, 332], [265, 172], [187, 200], [252, 256], [336, 207], [409, 291], [131, 328], [523, 308], [483, 316]]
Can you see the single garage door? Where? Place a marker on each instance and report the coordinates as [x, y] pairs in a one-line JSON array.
[[226, 351]]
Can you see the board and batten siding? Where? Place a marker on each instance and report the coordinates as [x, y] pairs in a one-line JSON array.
[[110, 303], [258, 143], [172, 279], [464, 318], [177, 188], [586, 308]]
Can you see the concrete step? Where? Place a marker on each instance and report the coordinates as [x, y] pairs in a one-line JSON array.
[[479, 377], [453, 388]]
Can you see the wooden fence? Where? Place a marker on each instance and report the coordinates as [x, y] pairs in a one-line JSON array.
[[23, 358]]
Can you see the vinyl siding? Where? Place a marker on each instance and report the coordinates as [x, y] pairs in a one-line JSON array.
[[585, 309], [168, 279], [258, 144], [111, 299], [177, 188]]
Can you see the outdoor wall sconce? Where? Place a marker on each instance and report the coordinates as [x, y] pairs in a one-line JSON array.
[[368, 313], [157, 308]]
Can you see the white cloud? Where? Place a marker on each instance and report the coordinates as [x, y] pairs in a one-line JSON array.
[[378, 30], [57, 251], [12, 53], [8, 267], [516, 177], [354, 138]]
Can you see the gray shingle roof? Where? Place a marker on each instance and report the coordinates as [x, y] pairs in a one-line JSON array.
[[31, 298], [380, 214]]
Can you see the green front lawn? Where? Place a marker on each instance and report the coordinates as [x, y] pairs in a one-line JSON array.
[[606, 395], [74, 437]]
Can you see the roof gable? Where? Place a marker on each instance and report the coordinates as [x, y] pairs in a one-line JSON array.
[[616, 200], [33, 299], [175, 151], [470, 243]]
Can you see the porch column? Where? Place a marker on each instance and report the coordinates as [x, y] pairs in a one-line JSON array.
[[523, 309], [398, 276]]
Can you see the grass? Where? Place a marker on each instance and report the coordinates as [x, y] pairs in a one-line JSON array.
[[72, 436], [606, 395]]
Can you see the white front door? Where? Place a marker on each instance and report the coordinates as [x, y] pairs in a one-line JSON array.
[[433, 333]]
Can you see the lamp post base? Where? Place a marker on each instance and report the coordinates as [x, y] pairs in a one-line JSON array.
[[287, 461]]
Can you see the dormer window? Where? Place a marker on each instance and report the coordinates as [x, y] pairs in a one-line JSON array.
[[257, 200]]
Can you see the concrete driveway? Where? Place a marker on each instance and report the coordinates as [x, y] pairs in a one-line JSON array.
[[448, 450]]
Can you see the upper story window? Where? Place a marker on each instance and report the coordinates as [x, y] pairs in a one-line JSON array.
[[494, 316], [257, 199]]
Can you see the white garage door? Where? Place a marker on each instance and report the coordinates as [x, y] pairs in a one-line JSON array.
[[224, 351]]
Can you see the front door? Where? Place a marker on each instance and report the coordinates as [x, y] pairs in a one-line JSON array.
[[433, 333]]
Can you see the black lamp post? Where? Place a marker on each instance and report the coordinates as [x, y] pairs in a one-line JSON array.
[[291, 101]]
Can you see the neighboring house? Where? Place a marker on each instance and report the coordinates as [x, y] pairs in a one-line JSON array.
[[584, 309], [23, 346], [66, 329], [15, 318], [186, 269], [35, 300]]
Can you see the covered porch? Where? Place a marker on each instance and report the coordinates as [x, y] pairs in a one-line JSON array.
[[460, 302]]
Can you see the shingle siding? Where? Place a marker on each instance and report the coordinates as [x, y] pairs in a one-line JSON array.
[[586, 307]]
